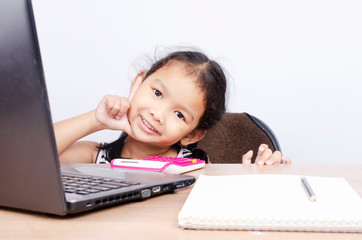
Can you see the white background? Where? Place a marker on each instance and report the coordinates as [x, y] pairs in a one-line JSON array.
[[297, 65]]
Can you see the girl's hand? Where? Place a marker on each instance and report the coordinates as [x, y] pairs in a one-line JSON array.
[[111, 112], [265, 157]]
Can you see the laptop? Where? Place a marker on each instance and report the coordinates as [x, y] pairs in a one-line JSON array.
[[31, 177]]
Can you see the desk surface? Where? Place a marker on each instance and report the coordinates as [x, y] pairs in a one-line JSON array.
[[156, 218]]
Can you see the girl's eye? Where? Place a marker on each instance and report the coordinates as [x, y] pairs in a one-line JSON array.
[[180, 116], [157, 93]]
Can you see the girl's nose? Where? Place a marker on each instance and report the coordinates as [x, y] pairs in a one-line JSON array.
[[157, 115]]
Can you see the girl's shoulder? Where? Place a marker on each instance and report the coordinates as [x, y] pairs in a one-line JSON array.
[[80, 152]]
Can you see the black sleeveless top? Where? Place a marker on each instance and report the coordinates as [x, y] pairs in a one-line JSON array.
[[109, 151]]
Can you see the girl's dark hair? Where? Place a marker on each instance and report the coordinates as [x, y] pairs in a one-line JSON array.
[[211, 80]]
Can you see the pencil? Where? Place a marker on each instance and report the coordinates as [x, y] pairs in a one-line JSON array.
[[306, 185]]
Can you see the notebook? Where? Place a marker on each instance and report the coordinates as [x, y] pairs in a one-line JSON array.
[[31, 177], [272, 202]]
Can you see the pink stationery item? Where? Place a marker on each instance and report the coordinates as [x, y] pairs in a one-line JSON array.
[[160, 164]]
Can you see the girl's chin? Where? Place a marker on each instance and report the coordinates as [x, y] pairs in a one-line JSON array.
[[141, 136], [150, 139]]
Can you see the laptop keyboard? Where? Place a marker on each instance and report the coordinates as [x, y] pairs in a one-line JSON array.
[[85, 185]]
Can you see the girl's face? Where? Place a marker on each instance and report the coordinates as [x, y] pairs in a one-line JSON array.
[[167, 106]]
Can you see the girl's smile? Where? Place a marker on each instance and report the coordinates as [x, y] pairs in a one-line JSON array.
[[147, 127]]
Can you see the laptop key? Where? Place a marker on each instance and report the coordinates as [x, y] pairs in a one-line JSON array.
[[92, 190], [102, 188], [110, 186], [119, 185], [70, 190], [83, 192]]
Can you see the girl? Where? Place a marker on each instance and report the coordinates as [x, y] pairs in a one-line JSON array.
[[169, 109]]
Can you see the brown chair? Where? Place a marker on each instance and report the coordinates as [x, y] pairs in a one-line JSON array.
[[234, 135]]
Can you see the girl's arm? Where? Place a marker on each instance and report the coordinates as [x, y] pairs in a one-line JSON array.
[[69, 131]]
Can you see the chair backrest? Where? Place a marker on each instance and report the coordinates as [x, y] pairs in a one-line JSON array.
[[234, 135]]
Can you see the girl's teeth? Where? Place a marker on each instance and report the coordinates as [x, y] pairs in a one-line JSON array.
[[148, 125]]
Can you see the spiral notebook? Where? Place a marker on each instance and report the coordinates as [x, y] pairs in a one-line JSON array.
[[272, 202]]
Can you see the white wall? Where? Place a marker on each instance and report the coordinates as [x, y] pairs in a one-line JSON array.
[[297, 65]]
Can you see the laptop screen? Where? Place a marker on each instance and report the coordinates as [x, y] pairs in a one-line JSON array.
[[29, 167]]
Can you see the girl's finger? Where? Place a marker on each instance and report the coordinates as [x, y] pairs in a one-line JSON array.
[[265, 157], [261, 151], [134, 87], [275, 158], [246, 158], [287, 160]]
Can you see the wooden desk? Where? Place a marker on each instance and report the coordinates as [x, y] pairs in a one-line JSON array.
[[156, 218]]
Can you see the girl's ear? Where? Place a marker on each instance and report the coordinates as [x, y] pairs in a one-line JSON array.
[[135, 83], [193, 137]]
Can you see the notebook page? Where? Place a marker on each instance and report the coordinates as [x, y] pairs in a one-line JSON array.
[[271, 202]]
